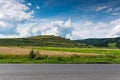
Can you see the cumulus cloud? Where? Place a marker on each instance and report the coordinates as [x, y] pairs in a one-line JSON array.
[[16, 20], [18, 17], [115, 32], [101, 8], [89, 29], [59, 28], [14, 9], [47, 27], [13, 13]]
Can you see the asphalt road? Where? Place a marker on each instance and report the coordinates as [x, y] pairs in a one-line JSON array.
[[59, 72]]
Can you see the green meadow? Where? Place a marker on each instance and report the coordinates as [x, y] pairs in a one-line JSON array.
[[59, 55], [83, 50]]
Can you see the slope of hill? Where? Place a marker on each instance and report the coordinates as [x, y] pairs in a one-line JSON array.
[[47, 40], [102, 42]]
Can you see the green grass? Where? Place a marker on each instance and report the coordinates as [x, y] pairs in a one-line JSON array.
[[82, 56], [74, 59], [83, 50], [106, 56]]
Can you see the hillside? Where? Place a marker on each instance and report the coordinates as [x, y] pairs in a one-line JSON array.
[[101, 42], [52, 41]]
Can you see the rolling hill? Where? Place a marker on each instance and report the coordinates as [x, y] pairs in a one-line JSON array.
[[101, 42], [56, 41], [46, 40]]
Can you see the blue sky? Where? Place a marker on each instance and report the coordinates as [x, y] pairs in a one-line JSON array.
[[74, 19], [75, 9]]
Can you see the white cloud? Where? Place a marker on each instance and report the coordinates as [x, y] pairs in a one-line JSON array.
[[101, 8], [115, 13], [56, 23], [115, 22], [29, 4], [4, 24], [14, 9], [47, 27], [115, 32], [89, 29], [17, 17], [51, 31], [37, 7], [23, 30], [100, 25], [1, 15], [80, 29], [109, 10], [68, 23], [117, 9], [12, 14], [59, 28], [87, 23]]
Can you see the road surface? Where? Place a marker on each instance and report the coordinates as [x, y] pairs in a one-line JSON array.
[[59, 72]]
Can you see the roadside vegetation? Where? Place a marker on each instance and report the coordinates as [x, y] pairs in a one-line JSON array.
[[59, 55]]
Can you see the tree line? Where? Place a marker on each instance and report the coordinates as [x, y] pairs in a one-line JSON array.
[[102, 42]]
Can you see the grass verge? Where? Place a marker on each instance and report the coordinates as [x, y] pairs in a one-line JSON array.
[[59, 56]]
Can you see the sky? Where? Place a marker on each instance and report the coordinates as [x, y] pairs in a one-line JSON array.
[[72, 19]]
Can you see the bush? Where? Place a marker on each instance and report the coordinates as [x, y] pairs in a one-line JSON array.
[[59, 58], [32, 54], [37, 55]]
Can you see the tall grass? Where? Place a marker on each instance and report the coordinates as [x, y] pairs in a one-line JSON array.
[[21, 55]]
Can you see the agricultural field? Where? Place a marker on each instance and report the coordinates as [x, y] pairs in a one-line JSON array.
[[59, 55]]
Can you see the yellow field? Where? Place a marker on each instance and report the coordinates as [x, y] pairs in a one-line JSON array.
[[24, 51]]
